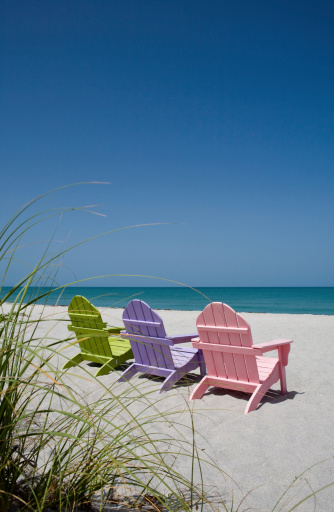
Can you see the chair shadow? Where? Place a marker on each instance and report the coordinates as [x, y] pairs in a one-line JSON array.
[[273, 396], [93, 365], [186, 381], [121, 367]]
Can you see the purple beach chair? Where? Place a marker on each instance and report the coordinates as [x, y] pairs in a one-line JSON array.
[[154, 352]]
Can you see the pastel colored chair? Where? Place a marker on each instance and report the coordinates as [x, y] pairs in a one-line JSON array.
[[231, 359], [98, 343], [154, 351]]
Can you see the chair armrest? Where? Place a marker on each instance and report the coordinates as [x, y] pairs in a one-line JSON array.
[[86, 332], [283, 347], [113, 330], [195, 341], [182, 338], [271, 345]]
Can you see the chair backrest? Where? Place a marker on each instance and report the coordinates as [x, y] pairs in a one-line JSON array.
[[88, 327], [235, 359], [147, 335], [83, 314]]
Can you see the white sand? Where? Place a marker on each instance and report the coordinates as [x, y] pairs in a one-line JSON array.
[[265, 450]]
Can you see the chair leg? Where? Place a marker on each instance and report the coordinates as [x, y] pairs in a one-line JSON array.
[[202, 366], [196, 362], [73, 362], [257, 396], [111, 365], [129, 372], [200, 389], [106, 368], [124, 357], [171, 380], [282, 379]]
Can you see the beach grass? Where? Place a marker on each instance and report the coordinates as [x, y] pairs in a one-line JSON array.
[[63, 449]]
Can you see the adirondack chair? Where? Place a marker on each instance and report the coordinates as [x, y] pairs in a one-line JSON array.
[[232, 361], [98, 343], [154, 352]]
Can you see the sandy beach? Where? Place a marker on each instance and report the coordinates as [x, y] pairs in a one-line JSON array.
[[265, 450]]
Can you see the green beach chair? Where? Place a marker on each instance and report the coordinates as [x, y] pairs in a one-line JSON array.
[[98, 343]]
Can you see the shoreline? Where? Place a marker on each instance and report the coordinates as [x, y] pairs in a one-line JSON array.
[[276, 300], [198, 311]]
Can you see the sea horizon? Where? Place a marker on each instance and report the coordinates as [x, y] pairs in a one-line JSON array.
[[318, 300]]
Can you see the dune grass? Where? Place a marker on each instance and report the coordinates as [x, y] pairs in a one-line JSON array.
[[59, 447]]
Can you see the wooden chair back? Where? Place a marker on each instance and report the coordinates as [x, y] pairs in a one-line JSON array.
[[226, 341], [87, 324], [147, 335]]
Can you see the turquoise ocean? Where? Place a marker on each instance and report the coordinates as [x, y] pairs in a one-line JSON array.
[[312, 300]]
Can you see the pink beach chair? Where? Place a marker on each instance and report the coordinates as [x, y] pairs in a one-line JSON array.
[[231, 359]]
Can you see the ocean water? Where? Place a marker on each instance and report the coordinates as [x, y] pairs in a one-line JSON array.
[[316, 301]]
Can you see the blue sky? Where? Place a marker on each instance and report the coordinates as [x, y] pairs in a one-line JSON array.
[[214, 117]]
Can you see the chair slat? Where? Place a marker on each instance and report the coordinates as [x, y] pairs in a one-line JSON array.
[[219, 328], [215, 365], [236, 340], [227, 349], [145, 322]]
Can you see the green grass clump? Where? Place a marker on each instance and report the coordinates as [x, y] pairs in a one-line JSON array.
[[58, 447]]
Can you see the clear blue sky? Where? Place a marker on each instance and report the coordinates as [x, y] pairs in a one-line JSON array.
[[216, 117]]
